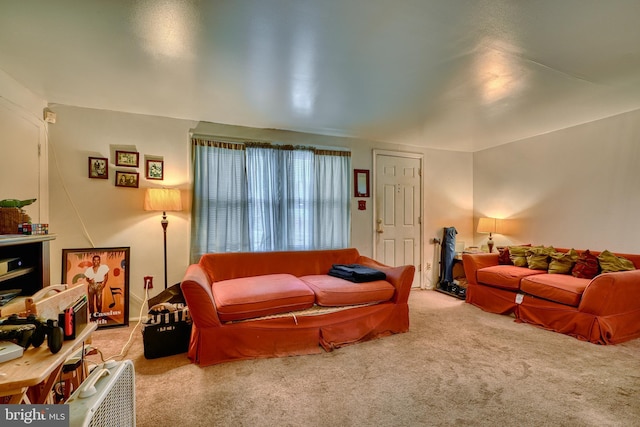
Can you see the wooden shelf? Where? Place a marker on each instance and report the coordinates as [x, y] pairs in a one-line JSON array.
[[16, 273], [22, 239], [33, 252]]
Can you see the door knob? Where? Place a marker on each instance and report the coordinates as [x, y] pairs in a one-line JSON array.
[[379, 227]]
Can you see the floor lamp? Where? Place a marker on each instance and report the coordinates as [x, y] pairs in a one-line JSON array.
[[163, 199]]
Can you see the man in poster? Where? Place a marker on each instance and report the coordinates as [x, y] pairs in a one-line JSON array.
[[97, 277]]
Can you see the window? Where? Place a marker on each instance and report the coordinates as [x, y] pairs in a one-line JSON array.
[[266, 197]]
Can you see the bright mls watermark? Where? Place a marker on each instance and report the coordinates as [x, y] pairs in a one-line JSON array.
[[34, 415]]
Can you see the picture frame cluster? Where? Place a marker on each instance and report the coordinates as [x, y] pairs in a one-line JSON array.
[[99, 168]]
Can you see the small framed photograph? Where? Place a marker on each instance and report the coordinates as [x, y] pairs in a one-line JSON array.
[[155, 169], [127, 158], [98, 167], [127, 179], [105, 273]]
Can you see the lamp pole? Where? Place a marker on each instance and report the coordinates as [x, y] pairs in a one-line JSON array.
[[165, 223]]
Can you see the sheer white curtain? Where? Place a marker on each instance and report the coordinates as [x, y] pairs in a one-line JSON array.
[[294, 198], [219, 215], [281, 189], [332, 209]]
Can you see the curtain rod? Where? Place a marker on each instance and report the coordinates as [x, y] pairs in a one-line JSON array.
[[236, 140], [228, 138]]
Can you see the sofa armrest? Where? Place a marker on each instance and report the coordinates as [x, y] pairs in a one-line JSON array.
[[474, 262], [612, 293], [400, 277], [196, 289]]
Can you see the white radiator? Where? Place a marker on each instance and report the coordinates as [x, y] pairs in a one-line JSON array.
[[106, 398]]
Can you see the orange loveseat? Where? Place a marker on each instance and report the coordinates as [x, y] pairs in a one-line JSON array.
[[272, 304], [602, 310]]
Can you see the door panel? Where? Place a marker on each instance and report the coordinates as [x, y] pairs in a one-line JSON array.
[[397, 211]]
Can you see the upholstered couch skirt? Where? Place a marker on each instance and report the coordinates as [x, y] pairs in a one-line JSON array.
[[598, 329], [612, 329], [493, 300], [300, 335]]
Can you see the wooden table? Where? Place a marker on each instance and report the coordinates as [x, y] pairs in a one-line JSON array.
[[31, 378]]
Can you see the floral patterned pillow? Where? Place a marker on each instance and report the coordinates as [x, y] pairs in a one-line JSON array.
[[587, 266]]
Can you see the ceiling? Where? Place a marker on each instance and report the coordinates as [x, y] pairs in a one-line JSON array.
[[450, 74]]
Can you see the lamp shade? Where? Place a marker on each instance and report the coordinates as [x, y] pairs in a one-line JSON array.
[[162, 199], [487, 225]]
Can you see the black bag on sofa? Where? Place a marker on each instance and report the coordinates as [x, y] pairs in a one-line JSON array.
[[356, 273]]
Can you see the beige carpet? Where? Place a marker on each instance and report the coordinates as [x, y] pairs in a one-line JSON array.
[[456, 366]]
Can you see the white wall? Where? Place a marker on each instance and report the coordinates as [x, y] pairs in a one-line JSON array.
[[578, 187], [88, 213], [113, 216]]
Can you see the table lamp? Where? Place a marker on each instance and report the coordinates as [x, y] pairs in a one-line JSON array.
[[163, 199], [487, 225]]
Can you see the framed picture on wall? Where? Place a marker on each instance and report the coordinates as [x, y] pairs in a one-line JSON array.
[[98, 167], [360, 183], [127, 179], [105, 272], [127, 158], [155, 169]]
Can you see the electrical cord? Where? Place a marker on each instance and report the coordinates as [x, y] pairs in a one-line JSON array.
[[127, 345]]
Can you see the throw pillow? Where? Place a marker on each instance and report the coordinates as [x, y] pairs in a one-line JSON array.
[[586, 266], [518, 255], [561, 262], [503, 256], [610, 262], [538, 257]]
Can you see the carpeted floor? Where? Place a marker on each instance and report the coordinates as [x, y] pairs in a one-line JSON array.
[[456, 366]]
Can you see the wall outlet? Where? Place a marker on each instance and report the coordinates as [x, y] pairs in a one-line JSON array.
[[148, 282]]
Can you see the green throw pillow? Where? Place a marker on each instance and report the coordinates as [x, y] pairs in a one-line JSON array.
[[610, 263], [518, 255], [562, 263], [538, 257]]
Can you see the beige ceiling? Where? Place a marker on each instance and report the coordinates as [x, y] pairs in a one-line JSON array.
[[451, 74]]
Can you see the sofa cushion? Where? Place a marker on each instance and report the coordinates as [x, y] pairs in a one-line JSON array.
[[518, 255], [334, 292], [586, 266], [504, 276], [561, 288], [256, 296], [610, 263], [562, 262], [538, 257], [503, 256]]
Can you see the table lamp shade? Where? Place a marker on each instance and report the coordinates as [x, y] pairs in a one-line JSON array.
[[487, 225], [162, 199]]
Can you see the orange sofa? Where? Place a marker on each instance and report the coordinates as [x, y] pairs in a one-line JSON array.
[[602, 310], [272, 304]]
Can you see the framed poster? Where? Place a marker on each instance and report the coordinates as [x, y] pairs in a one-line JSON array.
[[98, 167], [105, 272], [155, 169], [127, 179], [127, 158]]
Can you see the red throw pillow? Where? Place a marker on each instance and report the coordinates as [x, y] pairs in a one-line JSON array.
[[503, 257], [586, 266]]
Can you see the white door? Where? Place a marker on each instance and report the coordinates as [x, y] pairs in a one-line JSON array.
[[398, 204]]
